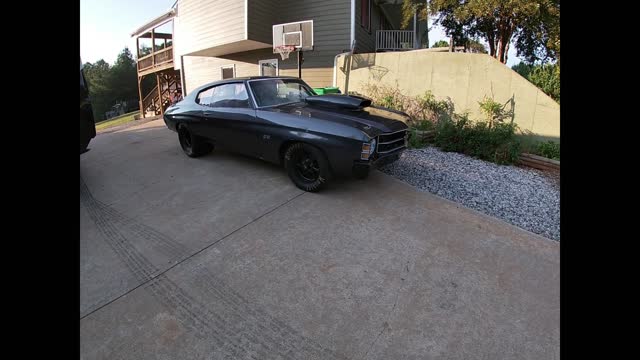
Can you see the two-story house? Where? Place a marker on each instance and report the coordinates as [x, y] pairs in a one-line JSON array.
[[218, 39]]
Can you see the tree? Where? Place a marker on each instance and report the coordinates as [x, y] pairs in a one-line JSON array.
[[545, 77], [124, 77], [109, 84], [441, 43], [523, 69], [97, 76], [476, 46], [533, 24]]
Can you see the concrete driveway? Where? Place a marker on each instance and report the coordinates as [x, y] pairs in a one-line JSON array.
[[221, 257]]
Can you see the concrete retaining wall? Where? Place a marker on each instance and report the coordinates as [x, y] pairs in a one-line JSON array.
[[464, 77]]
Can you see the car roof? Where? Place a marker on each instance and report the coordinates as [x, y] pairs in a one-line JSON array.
[[238, 79]]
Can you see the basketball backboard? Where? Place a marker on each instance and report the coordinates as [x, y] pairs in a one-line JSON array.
[[298, 34]]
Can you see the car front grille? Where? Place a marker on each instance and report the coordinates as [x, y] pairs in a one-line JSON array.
[[391, 142]]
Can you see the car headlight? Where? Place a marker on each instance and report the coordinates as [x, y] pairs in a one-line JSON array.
[[367, 149]]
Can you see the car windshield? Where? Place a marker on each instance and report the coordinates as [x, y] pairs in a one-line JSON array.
[[279, 91]]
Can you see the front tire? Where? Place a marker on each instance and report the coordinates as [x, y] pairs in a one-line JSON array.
[[307, 167], [192, 145]]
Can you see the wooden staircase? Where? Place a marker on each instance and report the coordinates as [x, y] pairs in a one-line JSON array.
[[157, 101]]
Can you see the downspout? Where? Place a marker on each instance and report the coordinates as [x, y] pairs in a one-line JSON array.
[[182, 79], [335, 66], [351, 43], [353, 22]]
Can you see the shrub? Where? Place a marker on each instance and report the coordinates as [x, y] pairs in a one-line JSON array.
[[492, 140], [415, 141], [420, 108], [530, 143], [549, 149], [497, 143], [424, 125]]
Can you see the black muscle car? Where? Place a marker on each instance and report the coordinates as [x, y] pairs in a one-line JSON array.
[[281, 120]]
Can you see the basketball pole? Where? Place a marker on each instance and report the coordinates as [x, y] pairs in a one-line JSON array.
[[300, 64]]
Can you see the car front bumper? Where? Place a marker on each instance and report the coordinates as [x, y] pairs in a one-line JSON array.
[[377, 162]]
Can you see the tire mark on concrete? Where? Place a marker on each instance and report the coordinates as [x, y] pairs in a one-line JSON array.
[[233, 330], [166, 245], [163, 289], [258, 322]]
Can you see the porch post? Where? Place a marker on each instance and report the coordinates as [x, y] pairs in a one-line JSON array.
[[140, 96], [153, 48], [415, 29], [159, 94]]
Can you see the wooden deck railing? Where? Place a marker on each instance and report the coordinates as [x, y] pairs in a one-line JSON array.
[[156, 58]]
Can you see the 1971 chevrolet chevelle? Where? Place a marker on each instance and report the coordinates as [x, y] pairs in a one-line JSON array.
[[281, 120]]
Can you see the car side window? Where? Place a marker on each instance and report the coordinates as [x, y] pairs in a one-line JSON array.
[[230, 95], [204, 97]]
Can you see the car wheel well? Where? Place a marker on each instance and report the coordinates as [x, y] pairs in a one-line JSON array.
[[283, 149]]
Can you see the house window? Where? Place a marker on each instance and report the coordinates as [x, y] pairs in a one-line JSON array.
[[365, 14], [268, 67], [228, 71]]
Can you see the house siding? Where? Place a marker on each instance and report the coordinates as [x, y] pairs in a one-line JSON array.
[[331, 23], [332, 31], [197, 18], [366, 41]]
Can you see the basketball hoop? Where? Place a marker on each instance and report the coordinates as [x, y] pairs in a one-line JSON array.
[[284, 50]]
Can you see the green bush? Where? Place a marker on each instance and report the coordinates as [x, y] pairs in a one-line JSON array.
[[424, 125], [492, 140], [494, 111], [549, 149], [419, 108], [497, 143], [415, 141]]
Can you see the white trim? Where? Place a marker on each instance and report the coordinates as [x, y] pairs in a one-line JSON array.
[[246, 19], [294, 22], [353, 23], [232, 66], [160, 20], [260, 62]]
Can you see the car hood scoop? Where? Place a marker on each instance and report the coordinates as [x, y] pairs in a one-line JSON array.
[[338, 101]]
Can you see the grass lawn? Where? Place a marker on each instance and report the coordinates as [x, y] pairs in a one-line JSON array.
[[122, 119]]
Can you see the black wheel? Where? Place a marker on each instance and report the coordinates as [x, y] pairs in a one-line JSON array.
[[307, 167], [191, 144]]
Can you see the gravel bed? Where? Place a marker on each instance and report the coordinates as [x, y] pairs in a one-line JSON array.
[[522, 197]]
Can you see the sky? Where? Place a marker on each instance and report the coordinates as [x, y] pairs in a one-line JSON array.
[[106, 27]]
